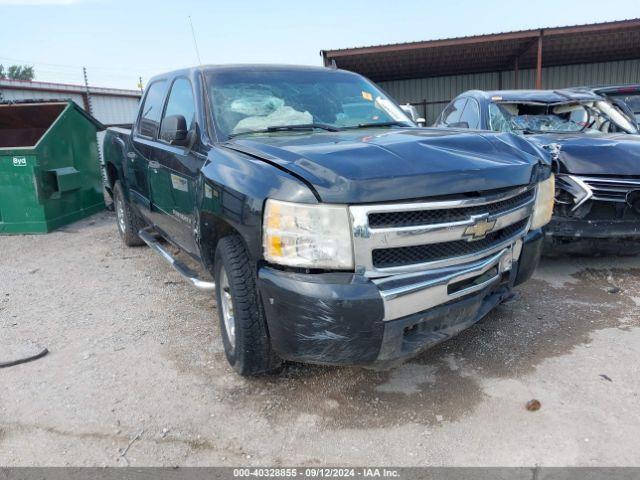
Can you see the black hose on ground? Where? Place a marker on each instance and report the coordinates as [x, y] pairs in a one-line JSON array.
[[25, 359]]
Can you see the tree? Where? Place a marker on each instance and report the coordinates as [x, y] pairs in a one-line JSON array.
[[18, 72]]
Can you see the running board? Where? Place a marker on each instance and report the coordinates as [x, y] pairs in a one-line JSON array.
[[189, 275]]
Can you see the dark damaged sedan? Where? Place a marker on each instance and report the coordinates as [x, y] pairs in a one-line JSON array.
[[335, 230], [596, 150]]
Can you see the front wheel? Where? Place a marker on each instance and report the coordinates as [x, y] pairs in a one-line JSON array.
[[242, 322]]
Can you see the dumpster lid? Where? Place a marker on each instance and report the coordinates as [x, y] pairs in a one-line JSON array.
[[38, 101], [23, 123]]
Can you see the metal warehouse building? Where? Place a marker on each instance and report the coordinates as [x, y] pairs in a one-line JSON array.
[[111, 106], [429, 74]]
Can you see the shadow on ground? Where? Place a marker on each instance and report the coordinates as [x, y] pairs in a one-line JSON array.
[[552, 313]]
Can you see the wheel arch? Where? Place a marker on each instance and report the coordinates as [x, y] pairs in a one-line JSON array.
[[232, 190], [214, 228], [113, 175]]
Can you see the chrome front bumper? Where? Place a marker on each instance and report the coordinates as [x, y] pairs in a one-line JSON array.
[[406, 294], [341, 318]]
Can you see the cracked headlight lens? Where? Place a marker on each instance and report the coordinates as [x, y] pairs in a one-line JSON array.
[[307, 236], [543, 208]]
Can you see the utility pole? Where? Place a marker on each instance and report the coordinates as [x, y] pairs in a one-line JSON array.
[[140, 86], [89, 106], [99, 137]]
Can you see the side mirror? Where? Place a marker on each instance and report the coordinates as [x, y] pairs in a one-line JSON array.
[[174, 130]]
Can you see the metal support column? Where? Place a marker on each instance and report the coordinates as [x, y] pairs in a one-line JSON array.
[[539, 63]]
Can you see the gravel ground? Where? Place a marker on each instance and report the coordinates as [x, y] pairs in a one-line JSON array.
[[136, 373]]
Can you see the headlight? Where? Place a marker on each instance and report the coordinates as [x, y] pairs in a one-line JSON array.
[[308, 236], [543, 208]]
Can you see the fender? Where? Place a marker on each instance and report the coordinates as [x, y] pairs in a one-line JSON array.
[[232, 189]]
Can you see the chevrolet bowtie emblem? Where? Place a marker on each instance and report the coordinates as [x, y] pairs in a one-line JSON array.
[[480, 228]]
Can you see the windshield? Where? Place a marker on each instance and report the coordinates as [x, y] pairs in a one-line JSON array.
[[584, 117], [632, 101], [245, 101]]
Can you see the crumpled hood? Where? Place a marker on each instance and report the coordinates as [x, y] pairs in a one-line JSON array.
[[379, 165], [599, 154]]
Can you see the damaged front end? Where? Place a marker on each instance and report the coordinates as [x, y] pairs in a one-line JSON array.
[[422, 272], [595, 214]]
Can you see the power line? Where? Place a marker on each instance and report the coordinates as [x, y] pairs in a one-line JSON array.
[[78, 67], [70, 74]]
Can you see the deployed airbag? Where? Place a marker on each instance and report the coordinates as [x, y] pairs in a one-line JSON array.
[[281, 116]]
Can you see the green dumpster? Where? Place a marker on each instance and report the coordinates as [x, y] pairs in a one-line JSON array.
[[49, 166]]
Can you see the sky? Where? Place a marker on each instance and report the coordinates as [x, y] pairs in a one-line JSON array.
[[119, 41]]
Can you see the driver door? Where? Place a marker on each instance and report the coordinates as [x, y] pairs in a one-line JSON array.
[[173, 169]]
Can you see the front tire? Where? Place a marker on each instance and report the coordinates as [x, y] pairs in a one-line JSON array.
[[242, 322], [129, 222]]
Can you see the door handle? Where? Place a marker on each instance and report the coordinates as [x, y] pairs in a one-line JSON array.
[[153, 164]]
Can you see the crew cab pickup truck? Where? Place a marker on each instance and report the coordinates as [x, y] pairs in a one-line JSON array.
[[335, 230]]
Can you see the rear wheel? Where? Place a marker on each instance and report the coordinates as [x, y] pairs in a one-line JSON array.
[[129, 222], [242, 322]]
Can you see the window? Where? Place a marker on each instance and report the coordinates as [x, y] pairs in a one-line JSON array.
[[470, 117], [252, 101], [632, 101], [571, 116], [181, 101], [499, 118], [152, 109], [451, 114]]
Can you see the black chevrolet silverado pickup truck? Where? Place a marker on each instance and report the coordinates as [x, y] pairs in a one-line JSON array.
[[335, 230]]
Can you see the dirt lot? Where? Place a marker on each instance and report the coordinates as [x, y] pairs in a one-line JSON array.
[[136, 373]]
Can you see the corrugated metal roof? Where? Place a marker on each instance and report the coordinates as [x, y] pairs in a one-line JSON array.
[[60, 87], [475, 37], [587, 43]]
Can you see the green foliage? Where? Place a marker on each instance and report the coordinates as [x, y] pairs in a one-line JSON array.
[[17, 72]]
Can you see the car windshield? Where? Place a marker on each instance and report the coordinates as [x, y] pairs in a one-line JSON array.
[[632, 101], [584, 117], [246, 101]]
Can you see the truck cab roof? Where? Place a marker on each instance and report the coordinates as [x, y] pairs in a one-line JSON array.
[[248, 67]]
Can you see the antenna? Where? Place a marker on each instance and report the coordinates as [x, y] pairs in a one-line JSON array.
[[195, 43], [207, 128]]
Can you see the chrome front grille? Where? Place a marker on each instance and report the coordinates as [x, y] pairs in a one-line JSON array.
[[609, 189], [408, 237], [429, 217], [393, 257]]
